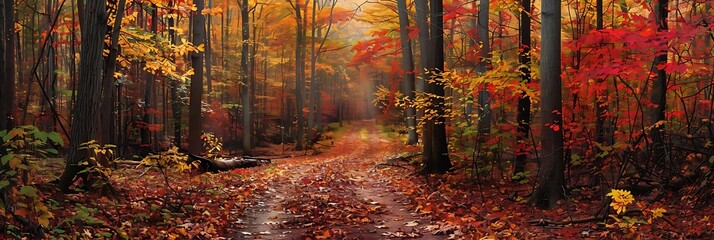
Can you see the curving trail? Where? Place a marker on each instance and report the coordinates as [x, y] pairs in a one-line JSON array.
[[341, 193]]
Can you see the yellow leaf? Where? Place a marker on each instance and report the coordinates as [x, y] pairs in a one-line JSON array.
[[14, 163], [658, 212], [44, 218]]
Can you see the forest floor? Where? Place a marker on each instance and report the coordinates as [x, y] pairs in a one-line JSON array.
[[342, 193], [355, 188]]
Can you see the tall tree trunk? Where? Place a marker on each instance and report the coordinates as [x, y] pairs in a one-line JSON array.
[[299, 76], [600, 104], [30, 43], [149, 96], [426, 62], [319, 82], [106, 130], [484, 110], [408, 67], [84, 125], [523, 116], [51, 80], [195, 120], [73, 62], [224, 7], [254, 115], [175, 97], [245, 72], [209, 53], [438, 159], [659, 90], [7, 91], [551, 175], [313, 86]]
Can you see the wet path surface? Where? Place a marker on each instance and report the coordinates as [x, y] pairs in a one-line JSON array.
[[339, 194]]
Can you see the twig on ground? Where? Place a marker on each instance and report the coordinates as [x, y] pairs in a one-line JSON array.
[[390, 165], [546, 222]]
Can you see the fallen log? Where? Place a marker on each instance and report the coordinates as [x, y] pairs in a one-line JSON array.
[[215, 166]]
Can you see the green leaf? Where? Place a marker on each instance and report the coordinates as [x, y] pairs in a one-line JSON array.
[[575, 160], [711, 159], [41, 135], [105, 234], [55, 137], [52, 150], [6, 158], [28, 191], [4, 183]]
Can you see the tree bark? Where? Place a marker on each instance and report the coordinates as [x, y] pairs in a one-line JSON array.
[[175, 84], [659, 89], [245, 71], [209, 54], [7, 91], [313, 86], [195, 120], [551, 175], [600, 104], [484, 110], [523, 117], [84, 128], [149, 96], [426, 61], [106, 131], [299, 76], [438, 159], [408, 68]]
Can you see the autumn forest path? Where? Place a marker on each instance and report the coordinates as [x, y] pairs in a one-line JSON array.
[[341, 193]]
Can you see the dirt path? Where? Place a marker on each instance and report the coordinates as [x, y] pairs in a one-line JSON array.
[[341, 193]]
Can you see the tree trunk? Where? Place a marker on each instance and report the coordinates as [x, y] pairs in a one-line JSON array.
[[209, 53], [484, 110], [84, 125], [523, 117], [175, 97], [7, 81], [313, 86], [600, 104], [551, 175], [425, 47], [254, 115], [659, 90], [195, 120], [149, 97], [438, 159], [408, 67], [245, 71], [106, 130], [299, 76]]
